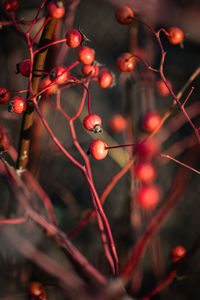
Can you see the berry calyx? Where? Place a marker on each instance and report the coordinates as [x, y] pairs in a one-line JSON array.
[[145, 171], [124, 15], [148, 149], [93, 123], [24, 67], [105, 79], [44, 83], [17, 105], [148, 197], [59, 75], [36, 289], [177, 253], [151, 121], [56, 9], [98, 149], [126, 62], [86, 55], [175, 36], [11, 5], [73, 38], [117, 123], [162, 88], [4, 95], [92, 70]]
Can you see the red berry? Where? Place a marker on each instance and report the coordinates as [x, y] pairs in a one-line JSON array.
[[148, 149], [145, 171], [126, 62], [151, 121], [85, 55], [4, 95], [117, 123], [24, 67], [175, 35], [93, 123], [162, 89], [36, 289], [90, 69], [73, 38], [177, 253], [11, 4], [59, 75], [98, 149], [124, 15], [148, 196], [56, 9], [44, 83], [17, 105], [105, 79]]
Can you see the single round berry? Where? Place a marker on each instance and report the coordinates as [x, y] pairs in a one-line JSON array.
[[24, 67], [148, 196], [11, 5], [124, 15], [98, 149], [177, 253], [145, 171], [17, 105], [126, 62], [117, 123], [56, 9], [93, 123], [162, 88], [45, 82], [36, 289], [73, 38], [59, 75], [175, 35], [151, 121], [4, 95], [92, 70], [148, 149], [105, 79], [86, 55]]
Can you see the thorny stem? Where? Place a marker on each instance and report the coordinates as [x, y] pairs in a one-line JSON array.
[[48, 45]]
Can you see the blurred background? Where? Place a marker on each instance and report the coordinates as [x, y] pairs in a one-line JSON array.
[[131, 96]]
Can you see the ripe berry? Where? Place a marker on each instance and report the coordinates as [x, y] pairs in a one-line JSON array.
[[151, 121], [148, 149], [148, 196], [105, 79], [85, 55], [126, 62], [4, 95], [124, 15], [11, 4], [93, 123], [117, 123], [56, 9], [90, 69], [58, 75], [162, 89], [175, 35], [17, 105], [73, 38], [177, 253], [24, 67], [98, 149], [145, 171], [36, 289], [44, 83]]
